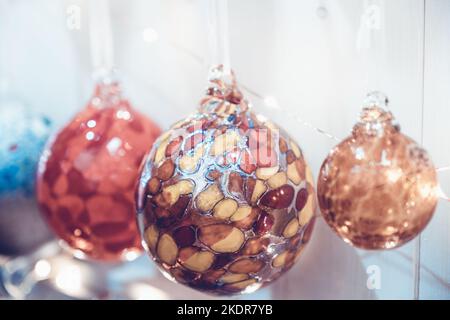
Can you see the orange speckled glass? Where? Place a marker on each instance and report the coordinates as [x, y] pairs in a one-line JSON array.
[[88, 172], [378, 188]]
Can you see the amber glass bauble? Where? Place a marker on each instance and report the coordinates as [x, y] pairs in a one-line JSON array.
[[378, 188]]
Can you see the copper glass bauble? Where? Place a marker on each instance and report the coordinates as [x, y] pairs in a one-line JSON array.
[[378, 188], [88, 173], [226, 199]]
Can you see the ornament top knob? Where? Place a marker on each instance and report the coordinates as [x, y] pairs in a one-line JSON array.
[[107, 94], [375, 118], [223, 96], [376, 99]]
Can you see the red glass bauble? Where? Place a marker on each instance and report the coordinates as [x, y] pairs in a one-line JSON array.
[[88, 172]]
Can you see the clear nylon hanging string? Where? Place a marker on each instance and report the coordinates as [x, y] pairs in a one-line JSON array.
[[371, 43], [218, 35], [418, 240], [102, 53], [5, 50]]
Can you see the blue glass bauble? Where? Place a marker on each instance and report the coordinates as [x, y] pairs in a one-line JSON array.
[[23, 134]]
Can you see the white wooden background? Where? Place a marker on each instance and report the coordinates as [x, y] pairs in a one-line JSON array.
[[303, 53]]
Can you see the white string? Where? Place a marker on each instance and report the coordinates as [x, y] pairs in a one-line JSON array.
[[271, 103], [102, 52], [441, 194], [268, 101]]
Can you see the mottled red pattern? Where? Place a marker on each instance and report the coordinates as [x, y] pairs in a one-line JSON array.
[[88, 173]]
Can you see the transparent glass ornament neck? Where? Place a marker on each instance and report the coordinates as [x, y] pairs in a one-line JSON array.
[[375, 118], [218, 74], [375, 108], [107, 94], [223, 95]]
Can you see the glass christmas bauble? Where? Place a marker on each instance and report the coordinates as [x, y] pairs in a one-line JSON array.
[[88, 173], [226, 199], [377, 189], [23, 133]]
